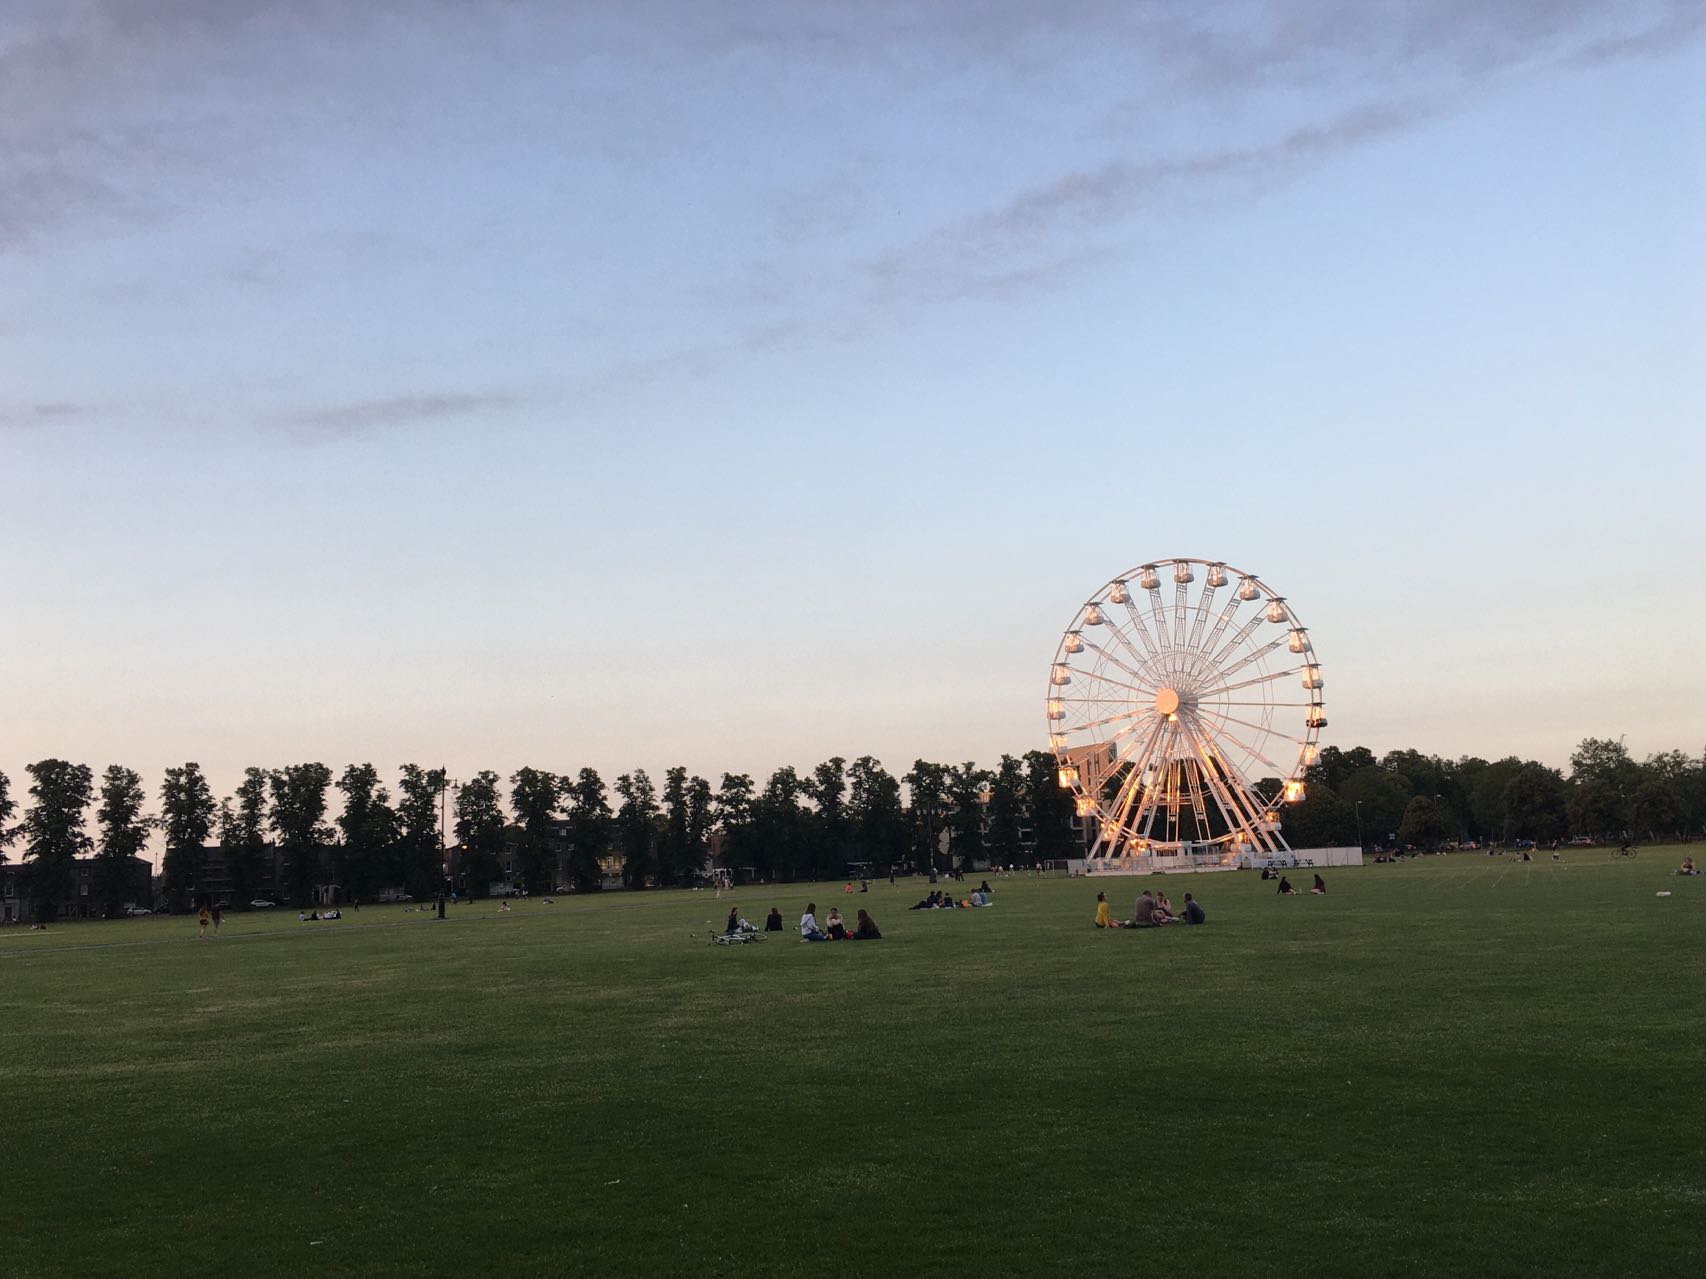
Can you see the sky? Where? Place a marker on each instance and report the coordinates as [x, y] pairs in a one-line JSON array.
[[489, 384]]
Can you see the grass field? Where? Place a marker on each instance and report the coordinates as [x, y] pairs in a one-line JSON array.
[[1459, 1065]]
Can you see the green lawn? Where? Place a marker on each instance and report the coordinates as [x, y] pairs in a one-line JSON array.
[[1459, 1065]]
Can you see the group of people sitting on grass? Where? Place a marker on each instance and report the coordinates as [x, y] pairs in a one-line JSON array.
[[316, 915], [982, 895], [1318, 890], [1151, 911], [835, 927]]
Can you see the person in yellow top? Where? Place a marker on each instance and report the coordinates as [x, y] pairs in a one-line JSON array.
[[1102, 920], [204, 918]]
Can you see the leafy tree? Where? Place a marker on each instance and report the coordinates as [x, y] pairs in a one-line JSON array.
[[1006, 811], [243, 836], [1603, 760], [1534, 803], [186, 816], [8, 806], [1383, 796], [780, 829], [734, 820], [1423, 824], [827, 789], [124, 834], [927, 786], [1333, 767], [420, 839], [590, 828], [1321, 819], [964, 793], [1595, 809], [636, 827], [366, 855], [1658, 809], [1051, 809], [53, 833], [675, 852], [700, 819], [875, 817], [534, 795], [298, 819], [480, 831]]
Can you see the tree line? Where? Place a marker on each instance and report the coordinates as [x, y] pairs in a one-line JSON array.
[[551, 826], [810, 825], [1424, 801]]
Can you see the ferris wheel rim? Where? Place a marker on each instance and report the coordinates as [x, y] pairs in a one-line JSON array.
[[1184, 738]]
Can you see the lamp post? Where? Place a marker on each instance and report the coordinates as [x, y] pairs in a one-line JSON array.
[[1358, 804]]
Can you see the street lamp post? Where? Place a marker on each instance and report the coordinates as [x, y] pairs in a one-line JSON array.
[[1358, 804]]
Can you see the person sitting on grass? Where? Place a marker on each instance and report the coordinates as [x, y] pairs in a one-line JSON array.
[[984, 888], [1102, 918], [1320, 889], [733, 926], [809, 930], [773, 921], [1194, 913], [1687, 867], [929, 903], [837, 926], [1143, 913], [1285, 888], [865, 929], [1164, 909]]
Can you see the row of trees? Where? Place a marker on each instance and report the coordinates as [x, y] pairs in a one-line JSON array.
[[1355, 797], [275, 827]]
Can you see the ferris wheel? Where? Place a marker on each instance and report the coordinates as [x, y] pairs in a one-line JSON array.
[[1184, 704]]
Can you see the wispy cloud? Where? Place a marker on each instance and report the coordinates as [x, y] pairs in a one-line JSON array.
[[362, 417], [44, 414]]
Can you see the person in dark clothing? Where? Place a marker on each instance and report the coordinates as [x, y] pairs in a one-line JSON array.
[[733, 926], [1285, 888], [865, 928], [1194, 913], [1320, 886], [772, 921]]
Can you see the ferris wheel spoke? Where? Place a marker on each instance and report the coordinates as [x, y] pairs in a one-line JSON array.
[[1221, 623], [1300, 704], [1253, 655], [1238, 637], [1158, 611], [1250, 683], [1116, 683], [1251, 751], [1111, 719], [1118, 632], [1235, 802], [1181, 597], [1140, 626], [1205, 601], [1133, 783], [1113, 660]]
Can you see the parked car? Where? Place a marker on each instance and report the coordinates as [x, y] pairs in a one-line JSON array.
[[261, 903], [134, 911]]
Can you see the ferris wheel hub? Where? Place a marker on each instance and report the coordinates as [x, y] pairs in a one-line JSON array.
[[1167, 701]]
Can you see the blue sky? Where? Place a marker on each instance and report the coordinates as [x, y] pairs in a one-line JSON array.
[[513, 383]]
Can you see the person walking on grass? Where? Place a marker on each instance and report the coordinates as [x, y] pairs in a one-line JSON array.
[[204, 919], [218, 916]]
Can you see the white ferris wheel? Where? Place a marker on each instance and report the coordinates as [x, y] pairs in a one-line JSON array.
[[1184, 704]]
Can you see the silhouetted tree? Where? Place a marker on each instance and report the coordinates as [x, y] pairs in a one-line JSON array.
[[480, 831], [53, 833], [366, 854], [123, 835], [533, 797], [590, 825], [637, 827], [298, 819], [419, 864], [186, 818]]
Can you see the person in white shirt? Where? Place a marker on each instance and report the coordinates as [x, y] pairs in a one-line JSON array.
[[809, 931]]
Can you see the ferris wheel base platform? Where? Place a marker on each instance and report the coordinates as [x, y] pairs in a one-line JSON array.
[[1209, 862]]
